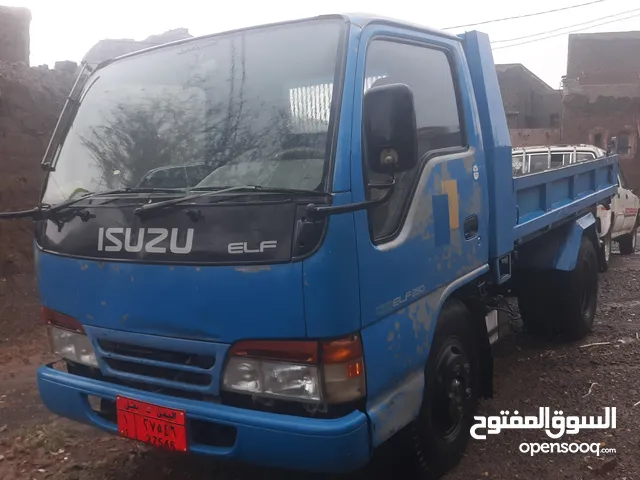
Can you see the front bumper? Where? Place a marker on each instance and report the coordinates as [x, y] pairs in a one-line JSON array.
[[267, 439]]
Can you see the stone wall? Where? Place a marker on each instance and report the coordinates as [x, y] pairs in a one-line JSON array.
[[534, 137], [31, 99], [14, 34], [609, 58], [597, 122], [528, 101], [114, 47]]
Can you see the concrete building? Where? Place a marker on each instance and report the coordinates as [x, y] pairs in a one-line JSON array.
[[601, 95], [532, 106]]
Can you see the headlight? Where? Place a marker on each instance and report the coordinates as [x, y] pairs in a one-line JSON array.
[[68, 338], [72, 346], [273, 379], [310, 371]]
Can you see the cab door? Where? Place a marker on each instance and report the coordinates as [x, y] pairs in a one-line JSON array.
[[432, 232]]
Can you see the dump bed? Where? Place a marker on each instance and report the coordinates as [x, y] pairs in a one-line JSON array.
[[550, 198], [525, 207]]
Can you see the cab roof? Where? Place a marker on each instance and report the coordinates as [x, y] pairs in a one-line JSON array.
[[359, 19]]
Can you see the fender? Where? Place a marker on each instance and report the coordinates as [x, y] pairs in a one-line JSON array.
[[558, 249], [405, 335]]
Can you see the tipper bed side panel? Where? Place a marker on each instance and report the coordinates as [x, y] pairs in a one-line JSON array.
[[548, 198]]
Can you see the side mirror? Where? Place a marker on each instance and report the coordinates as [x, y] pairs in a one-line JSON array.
[[391, 137]]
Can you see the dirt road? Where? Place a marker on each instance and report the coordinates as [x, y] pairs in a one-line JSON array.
[[573, 378]]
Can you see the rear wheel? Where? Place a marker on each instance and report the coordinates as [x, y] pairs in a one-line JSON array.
[[555, 302], [577, 309]]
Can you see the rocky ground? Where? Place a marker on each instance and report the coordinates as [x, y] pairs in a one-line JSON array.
[[580, 379]]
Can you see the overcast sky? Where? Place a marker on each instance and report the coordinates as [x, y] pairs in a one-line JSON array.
[[66, 29]]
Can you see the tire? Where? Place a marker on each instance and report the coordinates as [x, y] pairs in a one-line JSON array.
[[538, 294], [441, 432], [563, 303], [627, 243], [605, 253], [577, 309]]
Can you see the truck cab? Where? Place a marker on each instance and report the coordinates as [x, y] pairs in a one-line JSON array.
[[329, 285]]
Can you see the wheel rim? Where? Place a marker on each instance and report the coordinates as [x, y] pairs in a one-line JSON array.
[[590, 291], [452, 390]]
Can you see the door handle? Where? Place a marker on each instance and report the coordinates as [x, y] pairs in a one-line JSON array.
[[470, 227]]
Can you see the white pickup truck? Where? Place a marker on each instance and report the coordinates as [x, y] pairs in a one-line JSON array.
[[618, 221]]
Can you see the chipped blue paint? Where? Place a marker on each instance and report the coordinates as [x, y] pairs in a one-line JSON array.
[[174, 301], [397, 408], [396, 352], [336, 445], [441, 224], [392, 293], [331, 299], [413, 258]]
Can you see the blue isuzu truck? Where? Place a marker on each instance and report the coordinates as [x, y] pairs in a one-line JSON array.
[[289, 244]]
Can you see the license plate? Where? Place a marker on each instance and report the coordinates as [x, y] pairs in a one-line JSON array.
[[158, 426]]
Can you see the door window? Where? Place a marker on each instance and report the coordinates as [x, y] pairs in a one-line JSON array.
[[427, 71]]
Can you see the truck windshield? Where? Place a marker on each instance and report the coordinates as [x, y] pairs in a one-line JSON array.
[[248, 107]]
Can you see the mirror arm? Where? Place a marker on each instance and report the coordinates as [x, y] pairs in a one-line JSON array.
[[315, 211], [33, 214]]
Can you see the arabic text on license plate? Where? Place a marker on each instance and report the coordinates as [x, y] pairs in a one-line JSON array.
[[158, 426]]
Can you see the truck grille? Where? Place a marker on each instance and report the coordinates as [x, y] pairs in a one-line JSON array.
[[158, 366], [167, 356]]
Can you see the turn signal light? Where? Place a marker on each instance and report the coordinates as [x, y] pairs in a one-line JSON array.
[[313, 371], [60, 320]]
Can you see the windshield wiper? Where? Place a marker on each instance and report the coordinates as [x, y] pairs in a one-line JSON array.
[[46, 210], [68, 203], [222, 190]]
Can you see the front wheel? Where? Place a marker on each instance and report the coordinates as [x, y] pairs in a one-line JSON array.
[[441, 431]]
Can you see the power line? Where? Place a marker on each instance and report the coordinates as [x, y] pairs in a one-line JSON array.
[[526, 15], [570, 31], [564, 28]]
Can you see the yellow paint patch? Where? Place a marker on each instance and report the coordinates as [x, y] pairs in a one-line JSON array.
[[450, 187]]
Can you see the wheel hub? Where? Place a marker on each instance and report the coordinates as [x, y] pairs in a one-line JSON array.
[[453, 384]]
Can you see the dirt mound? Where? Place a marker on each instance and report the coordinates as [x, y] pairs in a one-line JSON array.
[[31, 98]]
